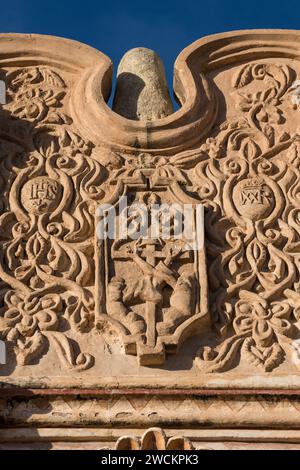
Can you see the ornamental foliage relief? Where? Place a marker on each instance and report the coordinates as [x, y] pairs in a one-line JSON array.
[[248, 180], [237, 294], [46, 224]]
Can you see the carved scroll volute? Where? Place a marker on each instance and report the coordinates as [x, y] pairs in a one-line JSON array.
[[151, 290]]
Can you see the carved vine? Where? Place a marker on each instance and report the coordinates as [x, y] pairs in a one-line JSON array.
[[154, 439], [247, 175], [248, 180]]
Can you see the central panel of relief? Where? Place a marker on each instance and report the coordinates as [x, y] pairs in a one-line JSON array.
[[151, 281]]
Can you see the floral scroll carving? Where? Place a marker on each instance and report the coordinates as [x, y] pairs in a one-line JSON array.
[[46, 222], [154, 439], [59, 283], [249, 182]]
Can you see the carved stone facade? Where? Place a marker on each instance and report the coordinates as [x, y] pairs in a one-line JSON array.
[[136, 333]]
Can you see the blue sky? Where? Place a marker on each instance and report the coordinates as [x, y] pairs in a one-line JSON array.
[[114, 26]]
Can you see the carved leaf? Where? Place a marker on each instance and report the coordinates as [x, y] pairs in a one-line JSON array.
[[52, 78]]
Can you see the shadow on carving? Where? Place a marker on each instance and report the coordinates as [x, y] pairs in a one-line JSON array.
[[128, 91]]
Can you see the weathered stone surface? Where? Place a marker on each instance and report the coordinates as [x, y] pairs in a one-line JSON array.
[[142, 90], [142, 332]]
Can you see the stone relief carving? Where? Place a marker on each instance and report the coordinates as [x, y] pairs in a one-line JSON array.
[[57, 277], [156, 288], [48, 235], [249, 182], [46, 221], [36, 94], [154, 439]]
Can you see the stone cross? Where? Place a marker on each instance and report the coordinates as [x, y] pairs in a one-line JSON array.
[[151, 255]]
